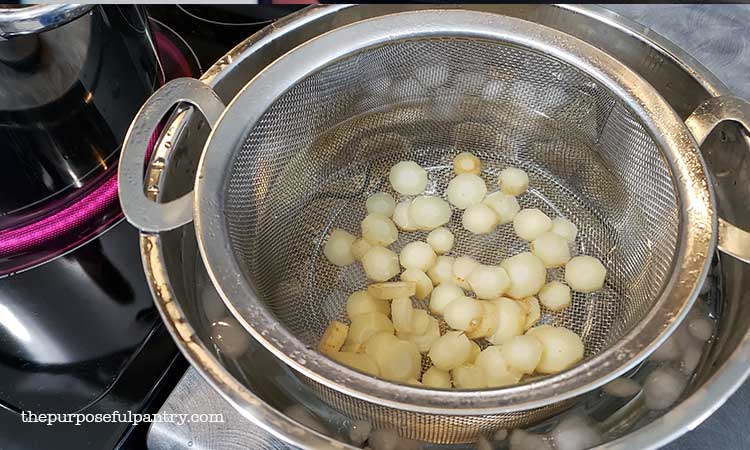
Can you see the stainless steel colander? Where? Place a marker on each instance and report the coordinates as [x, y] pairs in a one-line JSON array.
[[301, 147]]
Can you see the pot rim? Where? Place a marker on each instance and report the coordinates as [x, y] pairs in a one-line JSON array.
[[696, 239]]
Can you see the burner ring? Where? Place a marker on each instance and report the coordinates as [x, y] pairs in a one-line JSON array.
[[93, 212]]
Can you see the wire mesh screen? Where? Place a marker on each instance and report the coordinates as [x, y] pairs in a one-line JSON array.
[[328, 143]]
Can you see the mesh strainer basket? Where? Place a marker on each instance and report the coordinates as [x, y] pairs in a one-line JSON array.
[[302, 146]]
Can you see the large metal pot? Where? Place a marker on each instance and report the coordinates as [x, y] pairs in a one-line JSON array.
[[71, 79], [174, 270]]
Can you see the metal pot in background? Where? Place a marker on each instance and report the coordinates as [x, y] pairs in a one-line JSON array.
[[71, 79]]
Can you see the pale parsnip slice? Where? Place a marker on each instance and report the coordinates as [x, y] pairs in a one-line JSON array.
[[333, 337], [511, 320], [469, 376], [562, 348], [442, 295], [338, 248], [490, 320], [380, 263], [392, 289], [423, 283], [450, 351], [466, 162], [362, 302], [436, 378], [359, 361]]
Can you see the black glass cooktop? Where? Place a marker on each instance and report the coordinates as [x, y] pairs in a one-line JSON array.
[[80, 334]]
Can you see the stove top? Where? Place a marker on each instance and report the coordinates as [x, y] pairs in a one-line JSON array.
[[104, 348]]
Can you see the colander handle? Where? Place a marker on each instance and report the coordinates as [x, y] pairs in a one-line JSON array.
[[139, 210], [732, 240]]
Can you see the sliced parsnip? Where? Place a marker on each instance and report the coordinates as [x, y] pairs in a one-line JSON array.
[[442, 271], [463, 313], [378, 342], [408, 178], [427, 212], [441, 240], [420, 321], [479, 219], [364, 326], [465, 190], [513, 181], [523, 353], [402, 313], [401, 216], [533, 312], [585, 274], [511, 321], [463, 266], [531, 223], [392, 289], [362, 302], [450, 351], [442, 295], [338, 248], [359, 361], [565, 228], [505, 206], [466, 162], [496, 368], [359, 248], [490, 319], [562, 348], [527, 275], [555, 296], [380, 263], [333, 337], [551, 248], [417, 255], [424, 341], [488, 282], [378, 229], [422, 282], [381, 203], [469, 376], [397, 360], [436, 378]]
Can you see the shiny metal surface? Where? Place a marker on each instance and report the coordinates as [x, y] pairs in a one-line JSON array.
[[732, 240], [225, 230], [145, 214], [713, 112], [37, 18], [98, 69], [48, 159], [194, 395], [724, 151]]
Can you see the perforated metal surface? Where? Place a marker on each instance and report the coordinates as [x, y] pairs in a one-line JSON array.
[[327, 144]]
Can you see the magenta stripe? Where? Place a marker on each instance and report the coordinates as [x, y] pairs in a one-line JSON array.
[[62, 222], [81, 219], [73, 218]]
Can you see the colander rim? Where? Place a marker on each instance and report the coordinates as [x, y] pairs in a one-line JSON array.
[[696, 239]]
